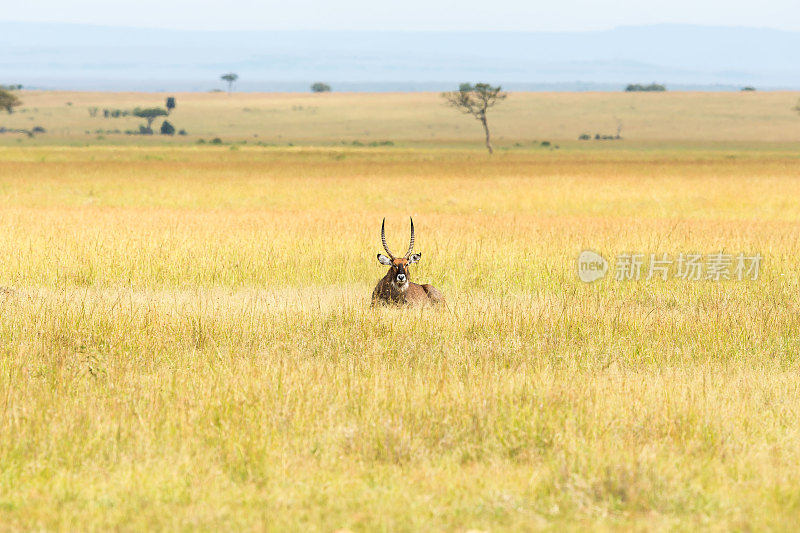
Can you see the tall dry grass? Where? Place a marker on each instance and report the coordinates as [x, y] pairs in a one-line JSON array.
[[187, 342]]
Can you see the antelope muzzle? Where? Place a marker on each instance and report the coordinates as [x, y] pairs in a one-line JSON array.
[[401, 274]]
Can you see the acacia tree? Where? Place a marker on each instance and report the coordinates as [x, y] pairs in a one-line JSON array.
[[230, 77], [320, 87], [475, 100], [149, 114], [8, 101], [170, 103]]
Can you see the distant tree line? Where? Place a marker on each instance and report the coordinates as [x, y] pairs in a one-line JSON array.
[[150, 114], [638, 87], [29, 133], [114, 113], [231, 77]]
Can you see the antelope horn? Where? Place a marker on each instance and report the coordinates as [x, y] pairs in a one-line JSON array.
[[411, 245], [383, 238]]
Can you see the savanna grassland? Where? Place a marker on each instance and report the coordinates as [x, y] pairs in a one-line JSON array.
[[186, 340], [412, 119]]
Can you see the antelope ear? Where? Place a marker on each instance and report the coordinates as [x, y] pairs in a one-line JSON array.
[[414, 258], [384, 260]]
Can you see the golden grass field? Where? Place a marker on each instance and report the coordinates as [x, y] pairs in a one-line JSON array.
[[186, 339]]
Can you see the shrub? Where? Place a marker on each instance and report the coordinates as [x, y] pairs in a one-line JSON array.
[[748, 88], [584, 137], [115, 113], [144, 130], [216, 140], [167, 128], [182, 132], [38, 129]]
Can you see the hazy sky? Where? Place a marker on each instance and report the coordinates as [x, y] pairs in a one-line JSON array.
[[531, 15]]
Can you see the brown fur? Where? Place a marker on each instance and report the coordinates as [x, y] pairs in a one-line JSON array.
[[387, 292]]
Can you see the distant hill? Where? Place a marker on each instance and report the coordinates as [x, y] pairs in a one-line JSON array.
[[72, 56]]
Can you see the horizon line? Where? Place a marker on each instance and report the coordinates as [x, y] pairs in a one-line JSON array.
[[373, 30]]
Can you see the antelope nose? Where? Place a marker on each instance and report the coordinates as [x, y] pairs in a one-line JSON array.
[[401, 277]]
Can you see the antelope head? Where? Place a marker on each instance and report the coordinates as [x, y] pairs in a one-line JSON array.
[[398, 271]]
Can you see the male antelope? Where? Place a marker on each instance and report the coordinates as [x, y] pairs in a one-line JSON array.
[[396, 286]]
